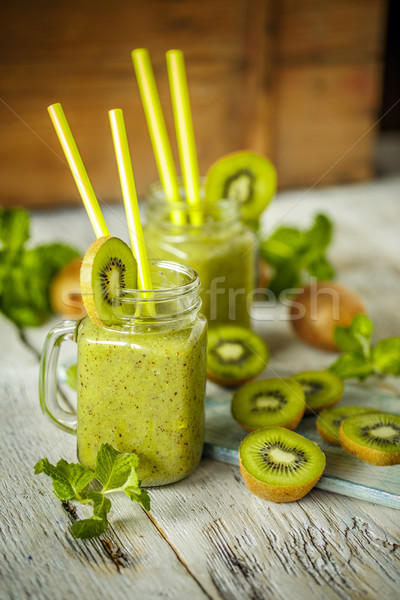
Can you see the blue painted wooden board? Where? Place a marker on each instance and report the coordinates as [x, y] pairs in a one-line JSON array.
[[344, 474]]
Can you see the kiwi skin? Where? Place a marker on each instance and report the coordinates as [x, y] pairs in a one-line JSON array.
[[65, 291], [370, 455], [85, 280], [278, 493], [318, 330]]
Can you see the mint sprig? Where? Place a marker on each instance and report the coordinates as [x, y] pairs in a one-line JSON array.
[[26, 273], [295, 255], [360, 359], [116, 471]]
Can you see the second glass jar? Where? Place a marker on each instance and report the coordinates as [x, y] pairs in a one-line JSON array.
[[214, 242]]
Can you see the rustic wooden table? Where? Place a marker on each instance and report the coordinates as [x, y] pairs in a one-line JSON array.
[[207, 536]]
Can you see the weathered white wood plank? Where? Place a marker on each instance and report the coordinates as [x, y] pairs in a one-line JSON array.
[[38, 555], [208, 532], [242, 547]]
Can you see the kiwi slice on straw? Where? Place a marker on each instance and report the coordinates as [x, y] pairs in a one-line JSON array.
[[329, 420], [322, 389], [280, 465], [247, 177], [269, 403], [374, 438], [108, 269]]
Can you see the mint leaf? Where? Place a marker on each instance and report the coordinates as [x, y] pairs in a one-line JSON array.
[[26, 275], [349, 365], [98, 523], [319, 236], [363, 326], [345, 340], [386, 356], [87, 528], [114, 468], [68, 478], [321, 269], [295, 254], [142, 497], [78, 476], [14, 229]]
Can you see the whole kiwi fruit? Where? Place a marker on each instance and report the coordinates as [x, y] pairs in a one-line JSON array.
[[65, 291], [319, 308]]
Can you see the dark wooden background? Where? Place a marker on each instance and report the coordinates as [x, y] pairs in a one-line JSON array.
[[297, 81]]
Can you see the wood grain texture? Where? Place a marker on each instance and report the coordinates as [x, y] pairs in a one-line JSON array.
[[276, 77], [80, 56], [207, 536]]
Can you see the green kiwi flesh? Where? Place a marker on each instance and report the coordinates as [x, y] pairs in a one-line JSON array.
[[108, 269], [235, 354], [280, 465], [329, 420], [268, 403], [322, 389], [246, 177], [374, 438]]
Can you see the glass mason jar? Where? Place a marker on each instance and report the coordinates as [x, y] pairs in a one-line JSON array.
[[141, 383], [222, 250]]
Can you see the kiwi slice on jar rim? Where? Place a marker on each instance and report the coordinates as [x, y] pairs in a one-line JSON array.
[[235, 354], [269, 403], [246, 177], [375, 438], [322, 389], [280, 465], [108, 269], [329, 420]]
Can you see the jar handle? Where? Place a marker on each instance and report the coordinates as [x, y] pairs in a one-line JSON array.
[[48, 376]]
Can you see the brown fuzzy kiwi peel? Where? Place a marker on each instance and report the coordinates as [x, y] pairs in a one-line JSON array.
[[317, 330], [277, 493]]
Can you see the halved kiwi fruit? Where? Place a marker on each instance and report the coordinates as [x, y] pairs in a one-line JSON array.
[[235, 354], [108, 268], [280, 465], [245, 176], [322, 389], [374, 438], [329, 420], [269, 403]]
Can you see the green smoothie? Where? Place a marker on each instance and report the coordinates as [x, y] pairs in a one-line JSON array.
[[141, 389], [222, 251]]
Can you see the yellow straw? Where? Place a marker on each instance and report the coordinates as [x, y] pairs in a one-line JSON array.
[[184, 130], [78, 170], [157, 129], [130, 197]]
